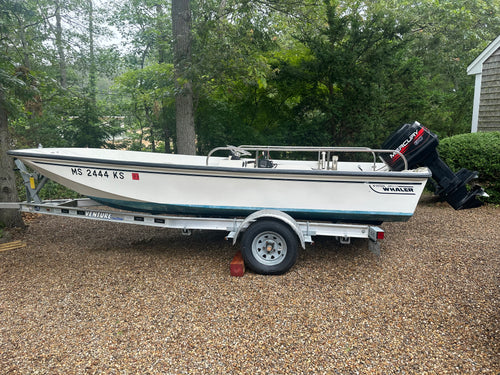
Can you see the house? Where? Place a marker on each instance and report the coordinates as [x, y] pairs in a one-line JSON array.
[[486, 68]]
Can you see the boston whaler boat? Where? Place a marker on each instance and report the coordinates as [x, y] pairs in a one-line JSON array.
[[249, 181]]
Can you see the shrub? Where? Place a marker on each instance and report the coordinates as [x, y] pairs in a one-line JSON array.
[[477, 152]]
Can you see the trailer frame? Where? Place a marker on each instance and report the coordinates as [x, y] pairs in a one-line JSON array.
[[86, 208]]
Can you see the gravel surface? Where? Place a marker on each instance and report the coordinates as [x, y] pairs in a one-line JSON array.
[[90, 297]]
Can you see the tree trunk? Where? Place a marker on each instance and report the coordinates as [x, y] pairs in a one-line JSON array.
[[60, 47], [184, 113], [8, 193], [24, 43], [161, 43], [92, 68]]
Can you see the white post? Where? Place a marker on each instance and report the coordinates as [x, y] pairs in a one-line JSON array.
[[477, 99]]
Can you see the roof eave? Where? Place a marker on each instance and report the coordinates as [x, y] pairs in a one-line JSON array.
[[476, 67]]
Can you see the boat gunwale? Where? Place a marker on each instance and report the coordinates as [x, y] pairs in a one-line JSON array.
[[33, 156]]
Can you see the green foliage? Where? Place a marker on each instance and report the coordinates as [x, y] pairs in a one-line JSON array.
[[51, 190], [339, 72], [477, 152], [447, 36], [149, 105], [331, 72], [354, 58], [84, 129]]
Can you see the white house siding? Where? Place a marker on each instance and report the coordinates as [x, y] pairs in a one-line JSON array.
[[489, 106]]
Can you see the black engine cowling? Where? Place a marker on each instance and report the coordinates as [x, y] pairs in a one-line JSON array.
[[419, 146]]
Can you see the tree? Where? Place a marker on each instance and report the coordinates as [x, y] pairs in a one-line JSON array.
[[184, 112], [147, 83], [150, 104], [348, 72], [446, 36], [9, 85], [8, 190], [265, 71], [92, 66], [234, 43], [15, 90]]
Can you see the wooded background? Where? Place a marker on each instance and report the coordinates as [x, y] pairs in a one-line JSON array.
[[150, 74]]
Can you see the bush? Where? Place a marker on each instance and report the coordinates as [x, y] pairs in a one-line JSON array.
[[477, 152]]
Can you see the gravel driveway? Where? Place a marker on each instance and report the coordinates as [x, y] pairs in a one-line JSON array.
[[89, 297]]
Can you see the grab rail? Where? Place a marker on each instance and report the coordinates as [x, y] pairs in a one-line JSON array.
[[324, 153]]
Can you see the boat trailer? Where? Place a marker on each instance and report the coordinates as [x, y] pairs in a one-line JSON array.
[[269, 238], [85, 208]]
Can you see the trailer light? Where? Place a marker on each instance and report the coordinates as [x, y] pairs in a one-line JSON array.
[[375, 233]]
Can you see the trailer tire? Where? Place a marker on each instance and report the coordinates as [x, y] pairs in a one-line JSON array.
[[269, 247]]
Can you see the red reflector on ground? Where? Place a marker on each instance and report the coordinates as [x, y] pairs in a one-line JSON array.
[[135, 176], [380, 235]]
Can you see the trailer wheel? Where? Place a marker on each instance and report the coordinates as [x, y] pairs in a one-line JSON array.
[[269, 247]]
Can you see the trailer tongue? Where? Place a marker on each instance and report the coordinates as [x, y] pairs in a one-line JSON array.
[[419, 145]]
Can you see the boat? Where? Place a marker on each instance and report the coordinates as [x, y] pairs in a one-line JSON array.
[[247, 179]]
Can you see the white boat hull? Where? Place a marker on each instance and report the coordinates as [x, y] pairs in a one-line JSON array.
[[179, 184]]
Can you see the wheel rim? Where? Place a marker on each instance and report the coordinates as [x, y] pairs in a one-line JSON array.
[[269, 248]]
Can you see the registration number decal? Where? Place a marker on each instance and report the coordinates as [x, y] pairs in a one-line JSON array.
[[99, 173]]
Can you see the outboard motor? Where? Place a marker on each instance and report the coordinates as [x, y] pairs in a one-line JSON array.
[[418, 144]]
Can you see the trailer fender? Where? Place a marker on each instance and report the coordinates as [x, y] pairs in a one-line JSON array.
[[273, 214]]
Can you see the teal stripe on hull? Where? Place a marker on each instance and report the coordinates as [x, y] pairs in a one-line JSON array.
[[365, 217]]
